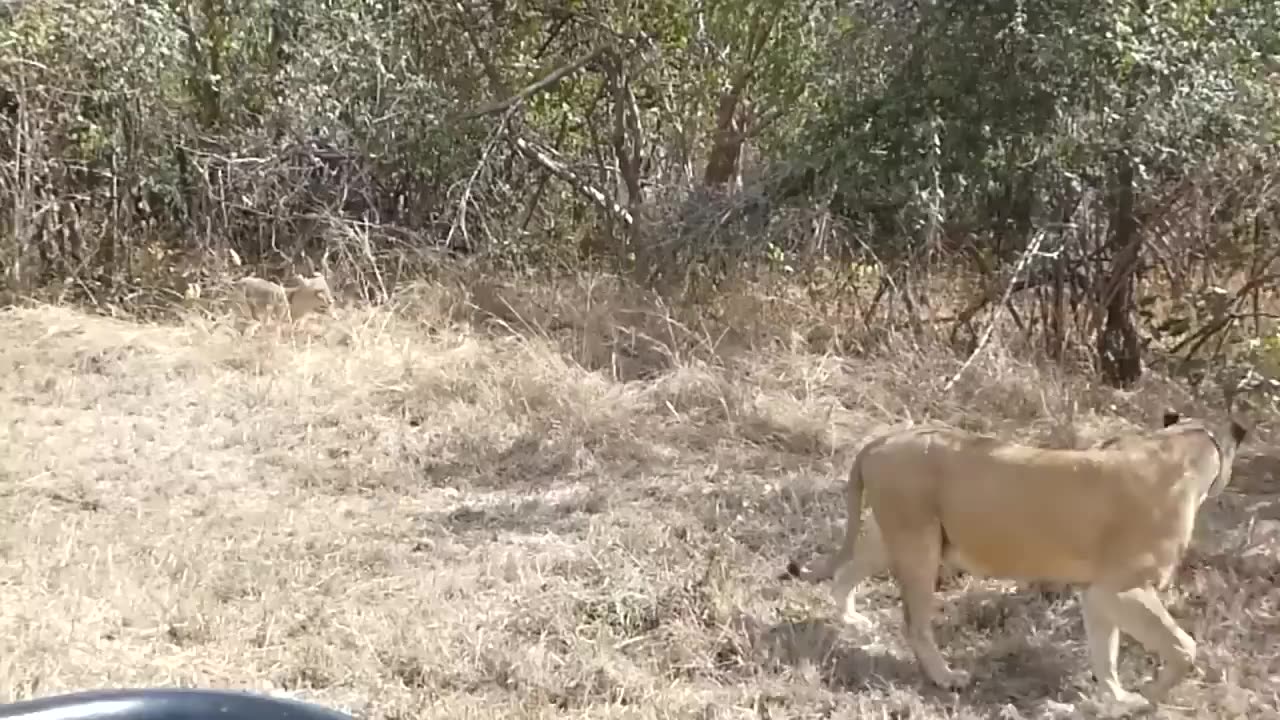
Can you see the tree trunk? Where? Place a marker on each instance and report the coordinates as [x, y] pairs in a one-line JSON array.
[[726, 147], [1119, 352]]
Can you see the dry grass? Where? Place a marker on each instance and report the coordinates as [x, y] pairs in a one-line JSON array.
[[578, 509]]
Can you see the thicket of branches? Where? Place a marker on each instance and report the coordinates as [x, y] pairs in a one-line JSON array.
[[1103, 172]]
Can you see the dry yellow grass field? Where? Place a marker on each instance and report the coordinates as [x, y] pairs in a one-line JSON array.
[[407, 512]]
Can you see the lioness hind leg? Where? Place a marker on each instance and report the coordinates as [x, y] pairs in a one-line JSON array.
[[1140, 613], [869, 559], [915, 559]]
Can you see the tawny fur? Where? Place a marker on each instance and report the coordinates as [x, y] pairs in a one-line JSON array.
[[871, 558], [1115, 518], [264, 300]]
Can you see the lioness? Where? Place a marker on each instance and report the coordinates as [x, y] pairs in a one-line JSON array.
[[872, 559], [1115, 518], [264, 300]]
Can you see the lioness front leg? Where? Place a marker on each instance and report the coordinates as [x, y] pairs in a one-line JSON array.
[[1140, 613], [1103, 636], [915, 565]]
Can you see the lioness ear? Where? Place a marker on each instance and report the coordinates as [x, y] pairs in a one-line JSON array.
[[1171, 417], [1238, 432]]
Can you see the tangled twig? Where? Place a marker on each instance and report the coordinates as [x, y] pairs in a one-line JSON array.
[[460, 223], [1033, 248]]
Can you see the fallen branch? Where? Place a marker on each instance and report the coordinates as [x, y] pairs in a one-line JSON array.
[[460, 222], [1032, 248], [1032, 282], [557, 168]]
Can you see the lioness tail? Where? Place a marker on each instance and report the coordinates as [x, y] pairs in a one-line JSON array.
[[853, 528]]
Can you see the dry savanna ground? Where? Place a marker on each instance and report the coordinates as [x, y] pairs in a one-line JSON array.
[[570, 507]]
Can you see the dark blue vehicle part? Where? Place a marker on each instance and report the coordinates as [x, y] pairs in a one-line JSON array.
[[167, 704]]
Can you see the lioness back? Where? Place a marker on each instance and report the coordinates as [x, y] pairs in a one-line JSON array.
[[261, 299], [1014, 511]]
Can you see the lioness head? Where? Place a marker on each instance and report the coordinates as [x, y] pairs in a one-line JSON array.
[[309, 295], [1227, 452], [1226, 447]]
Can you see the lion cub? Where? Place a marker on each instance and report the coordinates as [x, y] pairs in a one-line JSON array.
[[264, 300]]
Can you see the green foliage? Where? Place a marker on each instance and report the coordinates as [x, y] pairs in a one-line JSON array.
[[986, 121], [1022, 94]]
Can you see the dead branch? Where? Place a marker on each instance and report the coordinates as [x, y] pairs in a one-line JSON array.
[[464, 201], [993, 293], [557, 168], [1032, 248], [1203, 335]]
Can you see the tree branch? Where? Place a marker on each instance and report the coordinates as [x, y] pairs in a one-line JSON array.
[[538, 86], [486, 62]]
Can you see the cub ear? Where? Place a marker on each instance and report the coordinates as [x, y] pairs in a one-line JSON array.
[[1171, 417]]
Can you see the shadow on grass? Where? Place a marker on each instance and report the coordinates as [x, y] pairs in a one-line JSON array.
[[484, 522], [1257, 472], [819, 643], [976, 633]]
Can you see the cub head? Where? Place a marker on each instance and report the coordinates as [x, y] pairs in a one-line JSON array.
[[309, 295]]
